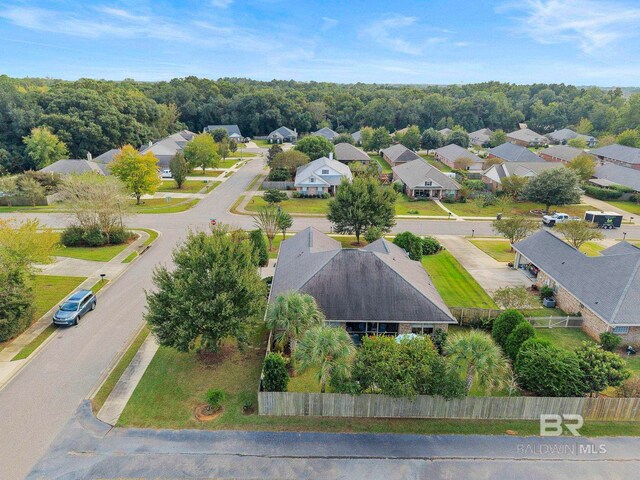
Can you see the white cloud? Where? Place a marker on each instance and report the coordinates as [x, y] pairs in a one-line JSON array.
[[221, 3], [589, 24], [400, 33], [328, 23]]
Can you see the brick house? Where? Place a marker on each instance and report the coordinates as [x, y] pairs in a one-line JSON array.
[[450, 154], [347, 153], [619, 154], [493, 176], [510, 152], [374, 290], [525, 137], [422, 180], [560, 153], [397, 154], [604, 290]]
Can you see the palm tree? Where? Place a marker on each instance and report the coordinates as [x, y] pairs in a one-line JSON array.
[[285, 222], [290, 315], [475, 355], [329, 349]]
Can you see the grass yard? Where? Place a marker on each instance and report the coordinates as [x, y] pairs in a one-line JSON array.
[[130, 257], [243, 155], [457, 287], [29, 208], [470, 209], [499, 250], [49, 290], [592, 249], [404, 206], [161, 205], [96, 254], [208, 173], [346, 241], [262, 143], [293, 205], [189, 186], [627, 206], [306, 381], [386, 168], [437, 163], [569, 338], [35, 343], [228, 163]]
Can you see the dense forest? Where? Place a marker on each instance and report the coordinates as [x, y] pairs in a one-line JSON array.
[[95, 115]]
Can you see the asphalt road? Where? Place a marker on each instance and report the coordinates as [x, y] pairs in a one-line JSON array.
[[43, 397]]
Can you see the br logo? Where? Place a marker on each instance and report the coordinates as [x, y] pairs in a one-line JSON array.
[[552, 425]]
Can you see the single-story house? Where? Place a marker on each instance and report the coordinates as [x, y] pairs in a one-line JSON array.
[[451, 153], [610, 174], [480, 137], [108, 156], [445, 132], [164, 150], [73, 166], [326, 133], [374, 290], [561, 137], [283, 135], [422, 180], [494, 175], [526, 137], [619, 154], [323, 175], [347, 153], [357, 137], [510, 152], [397, 154], [560, 153], [603, 289], [233, 131]]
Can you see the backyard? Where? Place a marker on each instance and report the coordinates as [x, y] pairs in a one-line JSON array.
[[386, 168], [437, 163]]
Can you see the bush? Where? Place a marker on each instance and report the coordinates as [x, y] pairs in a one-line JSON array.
[[504, 324], [631, 387], [449, 199], [439, 339], [430, 246], [275, 376], [72, 236], [274, 195], [296, 195], [411, 243], [119, 236], [399, 187], [549, 371], [609, 341], [546, 292], [600, 369], [247, 400], [94, 238], [278, 175], [372, 234], [16, 303], [214, 398], [602, 193], [325, 195], [523, 332]]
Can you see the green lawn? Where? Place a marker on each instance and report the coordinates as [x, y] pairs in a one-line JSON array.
[[152, 236], [386, 168], [243, 155], [499, 250], [346, 241], [262, 143], [469, 209], [457, 287], [569, 338], [592, 249], [160, 205], [293, 205], [208, 173], [437, 163], [404, 206], [96, 254], [49, 290], [44, 208], [130, 257], [189, 186], [228, 163], [628, 206], [35, 343], [306, 381]]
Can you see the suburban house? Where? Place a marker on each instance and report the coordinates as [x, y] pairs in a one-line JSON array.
[[422, 180], [374, 290], [283, 135], [108, 156], [326, 133], [445, 132], [526, 137], [510, 152], [357, 137], [233, 131], [561, 137], [321, 176], [451, 153], [603, 289], [164, 150], [480, 137], [398, 153], [610, 174], [75, 166], [619, 154], [494, 175], [560, 153], [347, 153]]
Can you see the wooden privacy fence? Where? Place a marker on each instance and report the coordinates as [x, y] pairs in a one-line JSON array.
[[486, 408]]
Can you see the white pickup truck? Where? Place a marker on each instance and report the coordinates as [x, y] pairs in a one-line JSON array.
[[551, 220]]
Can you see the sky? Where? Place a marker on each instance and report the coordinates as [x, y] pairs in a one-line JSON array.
[[581, 42]]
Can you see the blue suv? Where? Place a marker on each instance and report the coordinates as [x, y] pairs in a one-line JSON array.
[[75, 307]]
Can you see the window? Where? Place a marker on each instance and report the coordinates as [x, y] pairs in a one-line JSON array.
[[428, 183], [620, 330], [311, 179], [325, 172], [422, 329], [304, 189]]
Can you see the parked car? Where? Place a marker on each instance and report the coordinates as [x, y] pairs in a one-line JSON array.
[[166, 173], [76, 306], [551, 220]]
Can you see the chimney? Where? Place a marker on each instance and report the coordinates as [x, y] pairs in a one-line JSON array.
[[89, 156], [295, 130], [150, 144], [330, 155]]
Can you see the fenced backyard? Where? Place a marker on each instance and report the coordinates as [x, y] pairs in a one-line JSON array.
[[473, 316]]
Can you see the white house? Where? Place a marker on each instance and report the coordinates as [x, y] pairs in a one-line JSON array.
[[321, 176]]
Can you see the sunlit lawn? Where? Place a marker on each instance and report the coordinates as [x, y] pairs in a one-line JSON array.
[[293, 205], [386, 168], [404, 206], [161, 205], [499, 250], [628, 206], [228, 163], [189, 186], [49, 290], [592, 249], [437, 163], [96, 254], [470, 209], [197, 172]]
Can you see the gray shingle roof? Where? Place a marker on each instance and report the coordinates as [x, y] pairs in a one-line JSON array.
[[453, 152], [527, 135], [629, 177], [357, 136], [70, 166], [230, 129], [566, 134], [326, 133], [609, 285], [480, 137], [563, 152], [522, 169], [415, 173], [346, 152], [107, 157], [303, 172], [511, 152], [399, 153], [284, 132], [621, 153], [375, 283], [445, 132]]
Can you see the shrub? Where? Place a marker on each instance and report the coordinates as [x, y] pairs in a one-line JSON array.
[[430, 246], [275, 376], [278, 175], [523, 332], [16, 302], [214, 398], [274, 195], [94, 238], [549, 371], [602, 193], [372, 234], [439, 339], [325, 195], [449, 199], [411, 243], [546, 292], [610, 341], [296, 195], [399, 187], [504, 324], [247, 400], [600, 369], [119, 236], [72, 236], [631, 387]]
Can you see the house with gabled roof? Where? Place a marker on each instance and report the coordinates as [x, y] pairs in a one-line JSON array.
[[75, 166], [510, 152], [609, 175], [604, 290], [562, 136], [165, 149], [619, 154], [445, 132], [357, 137], [374, 290], [495, 174], [347, 153], [323, 175], [450, 154], [526, 137], [422, 180], [480, 137], [233, 131], [560, 153], [283, 135], [327, 133], [397, 154]]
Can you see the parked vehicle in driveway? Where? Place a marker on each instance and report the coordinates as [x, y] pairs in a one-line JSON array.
[[75, 307], [551, 220], [166, 174]]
